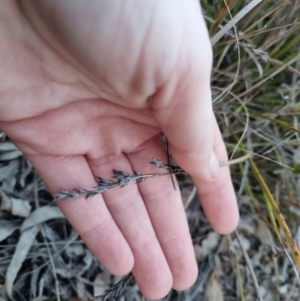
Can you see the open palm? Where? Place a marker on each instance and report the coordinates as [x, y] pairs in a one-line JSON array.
[[87, 87]]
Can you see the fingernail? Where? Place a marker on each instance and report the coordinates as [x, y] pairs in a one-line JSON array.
[[213, 166]]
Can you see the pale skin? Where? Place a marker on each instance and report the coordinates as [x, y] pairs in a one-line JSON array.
[[88, 86]]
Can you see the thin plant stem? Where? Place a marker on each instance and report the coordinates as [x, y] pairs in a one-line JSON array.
[[248, 263]]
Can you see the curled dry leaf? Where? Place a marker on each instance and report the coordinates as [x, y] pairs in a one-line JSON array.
[[17, 207], [41, 215], [20, 207]]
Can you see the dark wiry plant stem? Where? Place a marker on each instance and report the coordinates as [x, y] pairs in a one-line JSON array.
[[119, 179]]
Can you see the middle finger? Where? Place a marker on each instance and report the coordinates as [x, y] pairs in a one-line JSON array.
[[126, 205]]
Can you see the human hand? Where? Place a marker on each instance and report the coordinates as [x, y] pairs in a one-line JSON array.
[[87, 87]]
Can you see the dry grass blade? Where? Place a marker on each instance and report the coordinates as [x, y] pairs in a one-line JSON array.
[[239, 279], [280, 64], [248, 262], [270, 76], [52, 265], [280, 123], [277, 213], [272, 218], [224, 11], [234, 21]]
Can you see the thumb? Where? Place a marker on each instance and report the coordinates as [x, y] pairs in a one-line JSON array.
[[197, 146], [183, 106], [183, 109], [186, 118], [189, 127]]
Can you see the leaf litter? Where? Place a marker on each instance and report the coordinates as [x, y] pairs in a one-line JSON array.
[[24, 244], [80, 274]]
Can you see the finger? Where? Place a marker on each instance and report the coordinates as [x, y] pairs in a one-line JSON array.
[[167, 214], [218, 197], [129, 212], [90, 218], [183, 109], [197, 146]]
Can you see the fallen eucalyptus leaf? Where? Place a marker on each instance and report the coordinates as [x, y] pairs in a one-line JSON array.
[[24, 244], [7, 146]]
